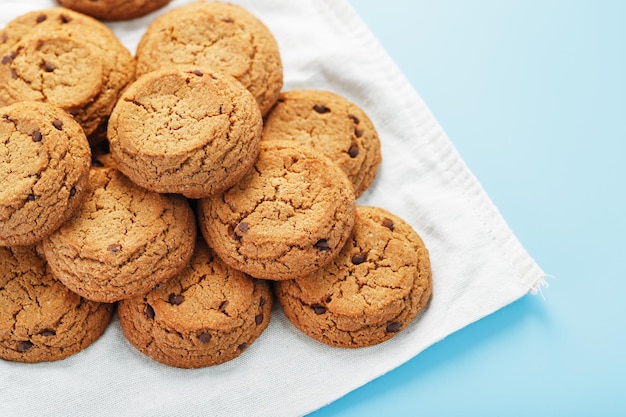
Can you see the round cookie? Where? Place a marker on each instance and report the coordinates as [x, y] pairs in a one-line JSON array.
[[40, 319], [44, 167], [332, 125], [288, 216], [122, 241], [67, 59], [207, 315], [219, 36], [185, 131], [114, 10], [371, 291]]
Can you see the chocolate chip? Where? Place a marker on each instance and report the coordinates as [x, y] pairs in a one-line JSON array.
[[353, 151], [48, 332], [47, 67], [358, 132], [358, 258], [243, 227], [37, 135], [114, 248], [58, 125], [258, 319], [204, 338], [394, 326], [41, 18], [321, 109], [388, 224], [242, 346], [13, 74], [65, 19], [24, 346], [354, 119], [322, 245], [176, 299], [228, 20], [222, 306], [72, 191], [197, 72], [318, 309], [149, 312], [262, 302], [31, 197], [7, 59]]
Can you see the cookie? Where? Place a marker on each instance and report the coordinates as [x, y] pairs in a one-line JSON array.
[[186, 131], [114, 10], [67, 59], [40, 319], [219, 36], [207, 315], [122, 240], [372, 290], [332, 125], [44, 167], [288, 216]]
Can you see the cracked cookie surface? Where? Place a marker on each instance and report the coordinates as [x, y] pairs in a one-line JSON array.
[[207, 315], [58, 54], [122, 240], [288, 216], [331, 124], [114, 10], [372, 290], [219, 36], [186, 131], [44, 167], [40, 319]]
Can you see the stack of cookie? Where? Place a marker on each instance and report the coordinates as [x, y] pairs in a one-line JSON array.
[[202, 123]]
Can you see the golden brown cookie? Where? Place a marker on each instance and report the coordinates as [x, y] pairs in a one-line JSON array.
[[219, 36], [186, 131], [40, 319], [371, 291], [332, 125], [114, 10], [67, 59], [207, 315], [122, 241], [44, 166], [290, 214]]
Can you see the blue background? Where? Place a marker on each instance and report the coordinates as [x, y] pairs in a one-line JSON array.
[[533, 95]]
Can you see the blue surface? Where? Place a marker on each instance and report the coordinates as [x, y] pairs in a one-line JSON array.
[[533, 95]]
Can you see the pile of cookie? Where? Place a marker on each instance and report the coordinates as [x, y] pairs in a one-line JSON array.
[[183, 188]]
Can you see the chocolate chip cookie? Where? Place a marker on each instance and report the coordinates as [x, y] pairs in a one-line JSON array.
[[372, 290], [186, 131], [122, 240], [288, 216], [40, 319], [207, 315], [219, 36], [114, 10], [332, 125], [67, 59], [44, 167]]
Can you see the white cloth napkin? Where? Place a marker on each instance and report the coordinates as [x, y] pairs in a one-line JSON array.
[[478, 264]]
